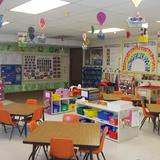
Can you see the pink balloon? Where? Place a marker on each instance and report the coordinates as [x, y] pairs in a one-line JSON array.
[[1, 2], [101, 17], [42, 23]]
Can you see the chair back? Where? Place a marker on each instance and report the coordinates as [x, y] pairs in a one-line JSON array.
[[32, 101], [158, 101], [73, 118], [32, 126], [62, 148], [126, 98], [145, 109], [5, 117], [38, 113], [100, 148]]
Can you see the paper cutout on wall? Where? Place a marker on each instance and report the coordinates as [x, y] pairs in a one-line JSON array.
[[141, 53]]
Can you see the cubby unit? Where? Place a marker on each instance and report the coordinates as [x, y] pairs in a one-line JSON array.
[[121, 118]]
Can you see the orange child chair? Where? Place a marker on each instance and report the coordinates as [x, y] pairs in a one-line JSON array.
[[73, 118], [32, 101], [158, 101], [96, 150], [32, 126], [62, 149], [37, 115], [5, 119], [1, 105]]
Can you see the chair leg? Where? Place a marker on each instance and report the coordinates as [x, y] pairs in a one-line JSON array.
[[144, 119], [98, 157], [85, 156], [32, 153], [103, 156], [18, 129], [4, 128], [45, 152], [11, 133]]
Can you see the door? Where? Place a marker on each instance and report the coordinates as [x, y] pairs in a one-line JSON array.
[[76, 61]]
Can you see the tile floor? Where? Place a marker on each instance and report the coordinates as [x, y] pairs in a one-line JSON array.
[[144, 147]]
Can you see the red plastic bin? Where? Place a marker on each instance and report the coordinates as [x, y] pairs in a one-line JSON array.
[[113, 135], [116, 122]]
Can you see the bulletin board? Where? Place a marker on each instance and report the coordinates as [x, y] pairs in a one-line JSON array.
[[11, 74], [113, 56], [37, 67], [140, 57]]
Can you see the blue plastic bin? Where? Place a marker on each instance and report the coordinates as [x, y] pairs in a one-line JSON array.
[[55, 108], [104, 115]]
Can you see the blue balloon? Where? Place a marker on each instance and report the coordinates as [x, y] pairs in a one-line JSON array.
[[31, 37], [1, 20]]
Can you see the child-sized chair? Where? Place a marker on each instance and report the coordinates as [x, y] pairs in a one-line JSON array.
[[62, 149], [73, 118], [98, 149]]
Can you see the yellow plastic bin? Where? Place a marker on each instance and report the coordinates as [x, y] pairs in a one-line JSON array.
[[56, 97], [91, 112], [71, 107]]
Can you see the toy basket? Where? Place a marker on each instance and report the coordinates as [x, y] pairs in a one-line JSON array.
[[91, 112]]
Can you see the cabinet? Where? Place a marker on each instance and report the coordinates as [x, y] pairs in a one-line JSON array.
[[121, 118], [57, 104]]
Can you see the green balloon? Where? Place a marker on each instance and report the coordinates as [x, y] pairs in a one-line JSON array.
[[92, 29]]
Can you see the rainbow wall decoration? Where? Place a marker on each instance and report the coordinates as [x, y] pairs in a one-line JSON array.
[[145, 54]]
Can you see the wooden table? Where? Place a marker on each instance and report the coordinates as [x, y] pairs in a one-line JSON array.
[[21, 110], [82, 134]]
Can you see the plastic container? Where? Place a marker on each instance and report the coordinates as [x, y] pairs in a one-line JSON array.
[[55, 108], [80, 110], [113, 135], [91, 112], [104, 115], [64, 107], [56, 97], [71, 107]]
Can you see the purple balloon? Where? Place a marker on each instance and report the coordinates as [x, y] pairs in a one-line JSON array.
[[101, 17], [1, 2]]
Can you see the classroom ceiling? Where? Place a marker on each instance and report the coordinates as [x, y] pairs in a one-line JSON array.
[[72, 20]]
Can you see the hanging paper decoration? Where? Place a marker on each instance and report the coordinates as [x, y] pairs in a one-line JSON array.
[[143, 37], [92, 29], [101, 35], [1, 2], [42, 23], [84, 36], [66, 13], [128, 34], [41, 38], [136, 2], [22, 39], [101, 17], [31, 31], [136, 21], [1, 20]]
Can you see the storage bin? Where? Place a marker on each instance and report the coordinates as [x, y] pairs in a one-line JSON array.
[[103, 126], [55, 108], [71, 107], [113, 135], [80, 110], [64, 107], [91, 112], [56, 97], [104, 115], [48, 110]]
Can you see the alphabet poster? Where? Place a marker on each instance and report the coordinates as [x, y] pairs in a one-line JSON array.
[[140, 57]]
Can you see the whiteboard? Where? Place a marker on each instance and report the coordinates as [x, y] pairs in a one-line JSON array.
[[10, 58]]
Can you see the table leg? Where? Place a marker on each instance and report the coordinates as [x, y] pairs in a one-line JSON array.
[[91, 155], [34, 149], [25, 128]]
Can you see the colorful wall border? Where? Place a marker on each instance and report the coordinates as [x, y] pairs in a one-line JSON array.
[[142, 53]]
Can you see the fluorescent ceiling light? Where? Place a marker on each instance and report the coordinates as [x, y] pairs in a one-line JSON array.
[[158, 21], [39, 6], [108, 30], [5, 23]]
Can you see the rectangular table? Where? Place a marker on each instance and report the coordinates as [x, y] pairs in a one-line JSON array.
[[82, 134], [21, 110]]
